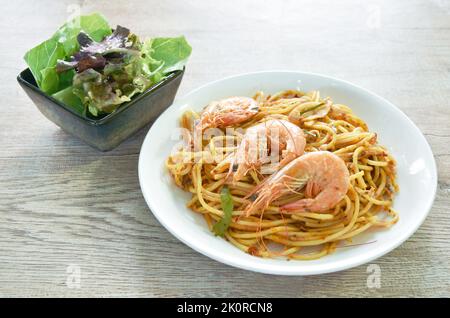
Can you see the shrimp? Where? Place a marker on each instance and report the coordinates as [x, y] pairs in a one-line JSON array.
[[227, 112], [326, 178], [259, 140]]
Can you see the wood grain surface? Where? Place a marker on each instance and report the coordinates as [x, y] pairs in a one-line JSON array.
[[63, 203]]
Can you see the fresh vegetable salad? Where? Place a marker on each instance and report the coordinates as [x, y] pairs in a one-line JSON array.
[[93, 68]]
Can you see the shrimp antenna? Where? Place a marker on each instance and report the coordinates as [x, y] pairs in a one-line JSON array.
[[290, 134]]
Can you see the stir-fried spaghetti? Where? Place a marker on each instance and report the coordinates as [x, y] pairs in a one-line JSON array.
[[327, 127]]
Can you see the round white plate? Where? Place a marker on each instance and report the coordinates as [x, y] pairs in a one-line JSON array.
[[416, 172]]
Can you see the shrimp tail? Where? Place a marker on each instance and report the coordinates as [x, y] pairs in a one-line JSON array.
[[267, 191], [231, 161], [238, 171], [288, 158], [299, 206], [261, 201], [233, 175]]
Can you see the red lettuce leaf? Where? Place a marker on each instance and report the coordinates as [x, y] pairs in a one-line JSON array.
[[115, 47]]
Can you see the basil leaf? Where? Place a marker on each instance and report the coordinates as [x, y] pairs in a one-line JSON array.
[[227, 207]]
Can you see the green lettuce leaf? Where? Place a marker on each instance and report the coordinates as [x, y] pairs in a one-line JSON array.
[[88, 67], [53, 82], [165, 55], [40, 61], [95, 25], [99, 94], [43, 58], [114, 81], [67, 97], [227, 206]]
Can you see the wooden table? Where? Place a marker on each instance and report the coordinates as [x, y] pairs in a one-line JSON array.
[[65, 207]]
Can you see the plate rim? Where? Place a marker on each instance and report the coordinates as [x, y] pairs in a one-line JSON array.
[[271, 269]]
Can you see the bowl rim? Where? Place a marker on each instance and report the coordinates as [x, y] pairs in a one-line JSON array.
[[109, 117], [276, 269]]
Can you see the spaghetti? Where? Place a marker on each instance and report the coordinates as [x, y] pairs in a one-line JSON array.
[[330, 127]]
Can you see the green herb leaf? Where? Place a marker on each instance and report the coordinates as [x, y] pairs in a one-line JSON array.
[[227, 207]]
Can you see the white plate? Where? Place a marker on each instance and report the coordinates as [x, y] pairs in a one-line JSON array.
[[416, 172]]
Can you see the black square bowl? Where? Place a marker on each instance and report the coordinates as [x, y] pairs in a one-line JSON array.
[[107, 132]]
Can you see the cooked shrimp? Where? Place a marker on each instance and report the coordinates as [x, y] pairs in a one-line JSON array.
[[263, 138], [227, 112], [326, 178]]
